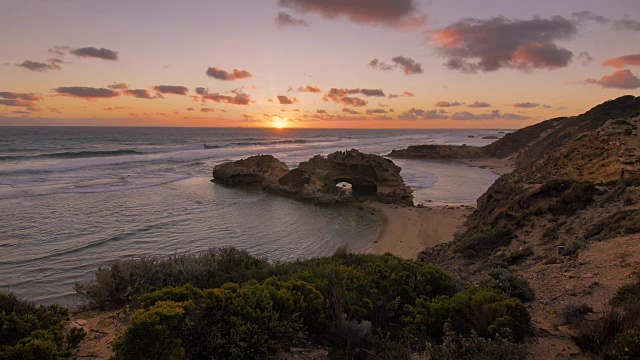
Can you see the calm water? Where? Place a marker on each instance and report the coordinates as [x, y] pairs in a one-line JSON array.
[[73, 199]]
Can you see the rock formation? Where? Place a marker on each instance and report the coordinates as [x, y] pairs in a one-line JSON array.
[[372, 177], [440, 152], [255, 170]]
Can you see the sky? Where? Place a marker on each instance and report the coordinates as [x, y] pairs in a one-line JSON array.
[[313, 63]]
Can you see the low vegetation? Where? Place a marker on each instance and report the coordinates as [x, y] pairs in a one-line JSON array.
[[359, 306], [28, 331], [616, 335]]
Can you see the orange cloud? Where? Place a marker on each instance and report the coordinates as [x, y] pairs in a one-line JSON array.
[[621, 79], [87, 93], [217, 73], [622, 61], [473, 45], [285, 100]]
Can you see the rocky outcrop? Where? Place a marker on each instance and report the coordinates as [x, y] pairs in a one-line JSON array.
[[440, 152], [259, 170], [372, 177], [565, 219]]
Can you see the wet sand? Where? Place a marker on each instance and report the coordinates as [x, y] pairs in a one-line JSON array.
[[409, 230]]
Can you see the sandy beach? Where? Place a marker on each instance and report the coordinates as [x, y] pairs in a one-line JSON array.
[[498, 166], [409, 230]]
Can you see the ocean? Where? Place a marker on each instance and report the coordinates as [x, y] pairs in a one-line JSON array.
[[73, 199]]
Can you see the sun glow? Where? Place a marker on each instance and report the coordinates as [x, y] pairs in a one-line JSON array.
[[279, 122]]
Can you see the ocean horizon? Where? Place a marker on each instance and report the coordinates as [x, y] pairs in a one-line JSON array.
[[76, 198]]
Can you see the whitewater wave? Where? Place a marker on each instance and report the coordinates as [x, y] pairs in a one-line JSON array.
[[76, 154]]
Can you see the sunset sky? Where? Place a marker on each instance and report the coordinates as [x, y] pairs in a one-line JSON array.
[[313, 63]]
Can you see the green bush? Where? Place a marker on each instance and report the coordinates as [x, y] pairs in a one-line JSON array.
[[627, 294], [626, 347], [518, 256], [122, 281], [249, 321], [359, 305], [620, 223], [474, 347], [484, 312], [28, 331], [509, 284], [573, 313]]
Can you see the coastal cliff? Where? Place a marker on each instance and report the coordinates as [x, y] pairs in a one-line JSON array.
[[566, 220], [371, 177]]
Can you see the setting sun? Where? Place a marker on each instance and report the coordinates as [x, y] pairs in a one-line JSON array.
[[279, 122]]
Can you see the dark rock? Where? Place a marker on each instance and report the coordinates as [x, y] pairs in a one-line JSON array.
[[372, 177]]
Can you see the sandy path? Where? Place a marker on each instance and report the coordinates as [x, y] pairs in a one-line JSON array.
[[408, 230]]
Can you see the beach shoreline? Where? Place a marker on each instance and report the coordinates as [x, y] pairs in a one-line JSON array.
[[406, 231]]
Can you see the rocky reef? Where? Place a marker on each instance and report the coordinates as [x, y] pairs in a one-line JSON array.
[[372, 178], [440, 152], [256, 170]]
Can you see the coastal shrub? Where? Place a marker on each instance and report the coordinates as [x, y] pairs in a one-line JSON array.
[[627, 294], [474, 347], [28, 331], [358, 305], [483, 243], [616, 335], [122, 281], [574, 313], [620, 223], [518, 256], [484, 312], [249, 321], [626, 346], [575, 197], [509, 284]]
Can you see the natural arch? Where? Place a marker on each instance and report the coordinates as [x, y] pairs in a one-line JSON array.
[[359, 186]]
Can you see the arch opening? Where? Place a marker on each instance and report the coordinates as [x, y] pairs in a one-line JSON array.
[[359, 186]]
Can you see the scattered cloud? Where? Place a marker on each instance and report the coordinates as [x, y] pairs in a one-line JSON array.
[[622, 61], [285, 20], [235, 74], [349, 111], [51, 64], [419, 114], [585, 58], [206, 109], [341, 96], [20, 96], [447, 104], [627, 24], [285, 100], [479, 104], [87, 93], [92, 52], [379, 65], [621, 79], [59, 50], [321, 111], [237, 99], [403, 94], [392, 13], [587, 16], [310, 89], [409, 66], [118, 86], [377, 111], [472, 45], [493, 115], [140, 94], [525, 105], [171, 89]]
